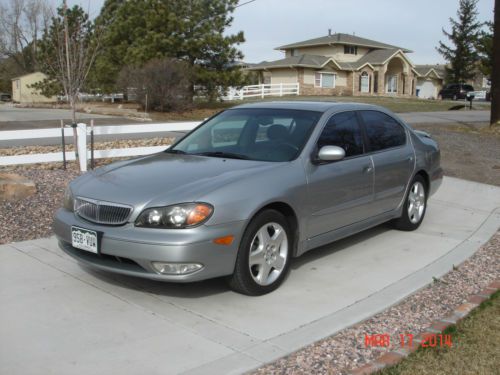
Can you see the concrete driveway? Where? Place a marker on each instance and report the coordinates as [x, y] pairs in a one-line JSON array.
[[59, 318]]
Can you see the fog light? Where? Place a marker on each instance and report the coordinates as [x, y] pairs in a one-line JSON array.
[[176, 268]]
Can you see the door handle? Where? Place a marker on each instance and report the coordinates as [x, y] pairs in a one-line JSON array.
[[368, 169], [410, 158]]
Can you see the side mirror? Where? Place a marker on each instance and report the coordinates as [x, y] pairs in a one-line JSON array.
[[331, 153]]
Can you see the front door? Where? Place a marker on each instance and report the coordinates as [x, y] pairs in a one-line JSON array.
[[338, 192], [392, 84]]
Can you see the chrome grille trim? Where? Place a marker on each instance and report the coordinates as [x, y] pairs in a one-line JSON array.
[[102, 212]]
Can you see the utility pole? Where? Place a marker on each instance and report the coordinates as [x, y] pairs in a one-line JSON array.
[[69, 80], [495, 74]]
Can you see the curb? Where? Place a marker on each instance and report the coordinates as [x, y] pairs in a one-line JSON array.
[[437, 327]]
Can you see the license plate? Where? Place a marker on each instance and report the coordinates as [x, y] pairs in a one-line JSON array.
[[84, 239]]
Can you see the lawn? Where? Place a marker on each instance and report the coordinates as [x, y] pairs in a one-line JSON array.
[[394, 104], [475, 347]]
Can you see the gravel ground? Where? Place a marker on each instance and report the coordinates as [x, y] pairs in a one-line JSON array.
[[32, 217], [346, 350], [125, 143]]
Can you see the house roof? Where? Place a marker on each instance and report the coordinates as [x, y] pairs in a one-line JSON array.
[[307, 61], [425, 70], [25, 75], [340, 38], [375, 57], [379, 57]]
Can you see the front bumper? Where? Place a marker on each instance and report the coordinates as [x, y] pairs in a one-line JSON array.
[[129, 250]]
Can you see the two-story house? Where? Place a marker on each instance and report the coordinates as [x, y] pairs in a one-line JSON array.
[[342, 64]]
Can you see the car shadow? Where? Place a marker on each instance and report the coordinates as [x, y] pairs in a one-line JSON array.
[[339, 245], [218, 286]]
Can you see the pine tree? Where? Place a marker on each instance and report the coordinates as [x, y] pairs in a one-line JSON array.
[[464, 35], [189, 30], [485, 49]]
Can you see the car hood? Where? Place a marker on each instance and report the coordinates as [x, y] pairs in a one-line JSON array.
[[163, 179]]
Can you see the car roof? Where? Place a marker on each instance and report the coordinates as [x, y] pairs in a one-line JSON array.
[[309, 105]]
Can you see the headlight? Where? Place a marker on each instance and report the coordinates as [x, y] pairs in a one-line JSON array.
[[185, 215], [68, 200]]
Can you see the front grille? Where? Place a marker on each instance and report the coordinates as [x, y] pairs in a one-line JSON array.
[[102, 212]]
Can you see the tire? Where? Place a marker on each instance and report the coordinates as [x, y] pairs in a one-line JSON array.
[[263, 261], [414, 207]]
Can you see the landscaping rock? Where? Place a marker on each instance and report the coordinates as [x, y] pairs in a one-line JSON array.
[[14, 187]]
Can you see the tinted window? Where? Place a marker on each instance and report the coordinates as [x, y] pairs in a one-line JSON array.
[[343, 130], [382, 130], [468, 88]]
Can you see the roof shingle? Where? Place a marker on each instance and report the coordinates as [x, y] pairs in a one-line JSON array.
[[340, 38]]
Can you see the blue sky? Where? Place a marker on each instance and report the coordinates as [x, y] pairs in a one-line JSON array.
[[414, 24]]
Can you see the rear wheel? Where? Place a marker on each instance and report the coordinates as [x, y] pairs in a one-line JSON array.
[[414, 207], [264, 255]]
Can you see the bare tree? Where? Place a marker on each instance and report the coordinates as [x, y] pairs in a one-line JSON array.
[[161, 84], [21, 25], [67, 52]]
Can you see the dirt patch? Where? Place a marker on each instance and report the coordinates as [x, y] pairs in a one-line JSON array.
[[468, 151]]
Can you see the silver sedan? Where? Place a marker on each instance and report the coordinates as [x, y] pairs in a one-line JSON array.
[[248, 190]]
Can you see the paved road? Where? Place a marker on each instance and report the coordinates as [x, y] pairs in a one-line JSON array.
[[59, 318], [10, 114]]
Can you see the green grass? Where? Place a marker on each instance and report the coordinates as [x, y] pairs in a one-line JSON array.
[[393, 103], [475, 349]]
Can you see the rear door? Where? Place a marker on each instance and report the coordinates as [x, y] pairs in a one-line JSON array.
[[339, 192], [393, 158]]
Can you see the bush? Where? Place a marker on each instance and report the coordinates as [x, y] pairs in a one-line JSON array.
[[160, 85]]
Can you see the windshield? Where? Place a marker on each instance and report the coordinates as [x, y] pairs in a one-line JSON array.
[[254, 134]]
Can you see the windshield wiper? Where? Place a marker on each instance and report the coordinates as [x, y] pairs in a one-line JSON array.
[[170, 151], [221, 154]]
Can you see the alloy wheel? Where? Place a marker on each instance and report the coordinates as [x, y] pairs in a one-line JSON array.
[[268, 253], [416, 202]]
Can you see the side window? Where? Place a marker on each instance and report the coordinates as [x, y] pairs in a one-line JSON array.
[[343, 130], [382, 130]]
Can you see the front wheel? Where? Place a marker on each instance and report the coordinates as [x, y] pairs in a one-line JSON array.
[[414, 207], [263, 256]]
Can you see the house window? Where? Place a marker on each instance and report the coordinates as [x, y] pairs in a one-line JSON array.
[[375, 82], [364, 82], [294, 52], [350, 50], [17, 84], [392, 84], [326, 80]]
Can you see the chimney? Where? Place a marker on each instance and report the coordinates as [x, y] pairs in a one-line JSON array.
[[329, 32]]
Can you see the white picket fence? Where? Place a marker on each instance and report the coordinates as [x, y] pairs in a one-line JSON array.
[[83, 131], [261, 91]]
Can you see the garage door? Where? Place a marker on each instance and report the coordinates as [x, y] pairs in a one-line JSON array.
[[427, 90]]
